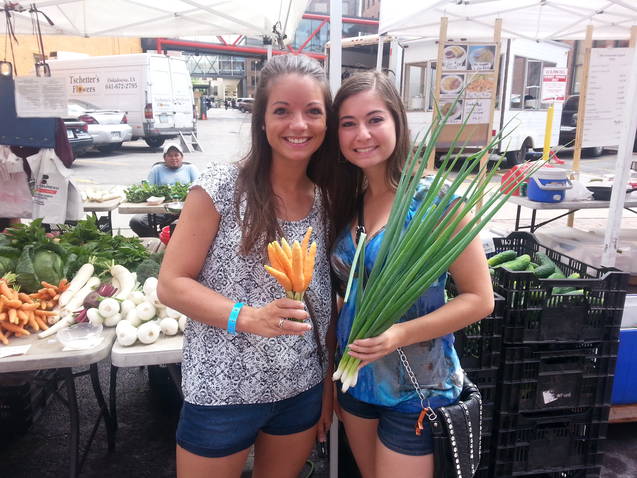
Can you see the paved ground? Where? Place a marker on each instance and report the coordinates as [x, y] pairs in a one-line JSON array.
[[148, 414]]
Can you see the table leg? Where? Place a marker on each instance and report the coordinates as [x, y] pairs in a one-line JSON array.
[[517, 218], [74, 442], [108, 420], [175, 375], [533, 212], [112, 386], [110, 222]]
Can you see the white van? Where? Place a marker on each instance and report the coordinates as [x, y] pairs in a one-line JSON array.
[[518, 103], [154, 90]]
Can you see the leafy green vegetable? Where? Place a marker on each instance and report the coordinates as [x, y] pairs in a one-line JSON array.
[[141, 192], [148, 268], [7, 264], [36, 264], [48, 266]]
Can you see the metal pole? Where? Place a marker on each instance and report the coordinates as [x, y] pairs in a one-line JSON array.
[[336, 33]]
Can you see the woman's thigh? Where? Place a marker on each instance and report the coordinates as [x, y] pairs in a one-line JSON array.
[[190, 465], [282, 456], [362, 437], [388, 461]]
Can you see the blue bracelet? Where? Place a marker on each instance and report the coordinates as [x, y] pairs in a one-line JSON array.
[[232, 320]]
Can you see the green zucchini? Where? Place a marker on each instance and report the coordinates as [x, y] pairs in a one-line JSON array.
[[502, 257], [530, 267], [518, 264], [547, 266]]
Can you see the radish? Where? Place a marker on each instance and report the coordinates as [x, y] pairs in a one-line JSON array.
[[127, 336], [133, 318], [126, 280], [78, 299], [148, 333], [150, 285], [59, 325], [137, 297], [123, 323], [169, 326], [145, 311], [108, 307], [82, 276], [182, 322], [126, 306], [172, 313], [94, 316], [112, 320]]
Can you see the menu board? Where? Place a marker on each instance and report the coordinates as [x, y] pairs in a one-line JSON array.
[[606, 96], [467, 86]]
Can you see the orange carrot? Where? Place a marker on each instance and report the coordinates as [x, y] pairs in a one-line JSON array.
[[33, 323], [308, 268], [13, 303], [22, 315], [45, 313], [286, 247], [32, 306], [25, 298], [5, 289], [4, 339], [14, 328], [41, 323], [297, 268], [13, 316], [48, 286], [280, 277], [283, 259], [274, 259]]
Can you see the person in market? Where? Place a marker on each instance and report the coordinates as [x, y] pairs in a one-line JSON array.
[[380, 412], [171, 171], [254, 361]]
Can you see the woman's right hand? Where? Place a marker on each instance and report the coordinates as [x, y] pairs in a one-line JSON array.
[[271, 320]]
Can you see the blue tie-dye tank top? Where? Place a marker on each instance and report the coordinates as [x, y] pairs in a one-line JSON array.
[[385, 382]]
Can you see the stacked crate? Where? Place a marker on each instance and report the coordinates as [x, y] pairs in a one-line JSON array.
[[478, 347], [557, 366]]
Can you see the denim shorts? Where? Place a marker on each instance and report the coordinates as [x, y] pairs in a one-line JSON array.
[[214, 431], [396, 430]]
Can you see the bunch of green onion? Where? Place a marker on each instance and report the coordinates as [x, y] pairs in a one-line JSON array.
[[412, 258]]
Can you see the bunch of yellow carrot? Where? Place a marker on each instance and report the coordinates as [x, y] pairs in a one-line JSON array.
[[292, 266], [19, 311]]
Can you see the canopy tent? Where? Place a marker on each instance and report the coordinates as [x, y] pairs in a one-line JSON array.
[[530, 19], [540, 20], [158, 18]]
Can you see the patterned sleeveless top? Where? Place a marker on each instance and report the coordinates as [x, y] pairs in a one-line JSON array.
[[223, 369]]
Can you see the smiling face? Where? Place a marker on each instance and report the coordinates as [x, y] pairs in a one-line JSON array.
[[173, 158], [295, 118], [366, 130]]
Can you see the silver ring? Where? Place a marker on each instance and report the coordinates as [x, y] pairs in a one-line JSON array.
[[281, 322]]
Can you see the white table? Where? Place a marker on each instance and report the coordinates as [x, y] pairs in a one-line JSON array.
[[165, 351], [47, 354], [570, 206], [144, 208], [104, 206]]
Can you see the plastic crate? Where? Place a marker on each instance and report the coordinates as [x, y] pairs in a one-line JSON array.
[[533, 314], [549, 442], [478, 345], [536, 377], [624, 387], [486, 380]]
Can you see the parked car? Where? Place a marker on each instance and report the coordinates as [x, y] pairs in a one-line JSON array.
[[109, 128], [245, 105], [77, 133]]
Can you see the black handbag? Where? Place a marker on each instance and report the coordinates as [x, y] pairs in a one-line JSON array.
[[456, 429]]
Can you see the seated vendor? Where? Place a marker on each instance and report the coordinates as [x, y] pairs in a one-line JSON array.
[[171, 171]]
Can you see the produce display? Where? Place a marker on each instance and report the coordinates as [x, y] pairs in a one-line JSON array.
[[113, 282], [94, 194], [141, 192], [292, 266], [544, 268]]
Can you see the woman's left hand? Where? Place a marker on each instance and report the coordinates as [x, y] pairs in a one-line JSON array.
[[368, 350]]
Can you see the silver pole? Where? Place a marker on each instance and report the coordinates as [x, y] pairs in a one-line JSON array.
[[336, 33]]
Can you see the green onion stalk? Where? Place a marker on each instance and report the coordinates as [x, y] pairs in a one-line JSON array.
[[412, 257]]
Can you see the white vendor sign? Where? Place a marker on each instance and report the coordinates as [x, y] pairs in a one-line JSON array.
[[554, 85]]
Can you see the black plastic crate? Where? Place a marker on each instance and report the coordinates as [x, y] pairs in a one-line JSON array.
[[486, 380], [478, 345], [549, 442], [535, 377], [533, 314]]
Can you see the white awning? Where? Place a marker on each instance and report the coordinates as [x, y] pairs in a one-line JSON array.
[[531, 19], [160, 18]]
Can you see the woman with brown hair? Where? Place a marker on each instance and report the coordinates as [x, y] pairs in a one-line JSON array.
[[381, 410], [250, 375]]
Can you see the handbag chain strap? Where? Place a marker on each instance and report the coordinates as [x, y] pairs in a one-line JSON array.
[[424, 402]]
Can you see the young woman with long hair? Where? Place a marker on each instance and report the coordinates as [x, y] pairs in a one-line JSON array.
[[381, 410], [250, 375]]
